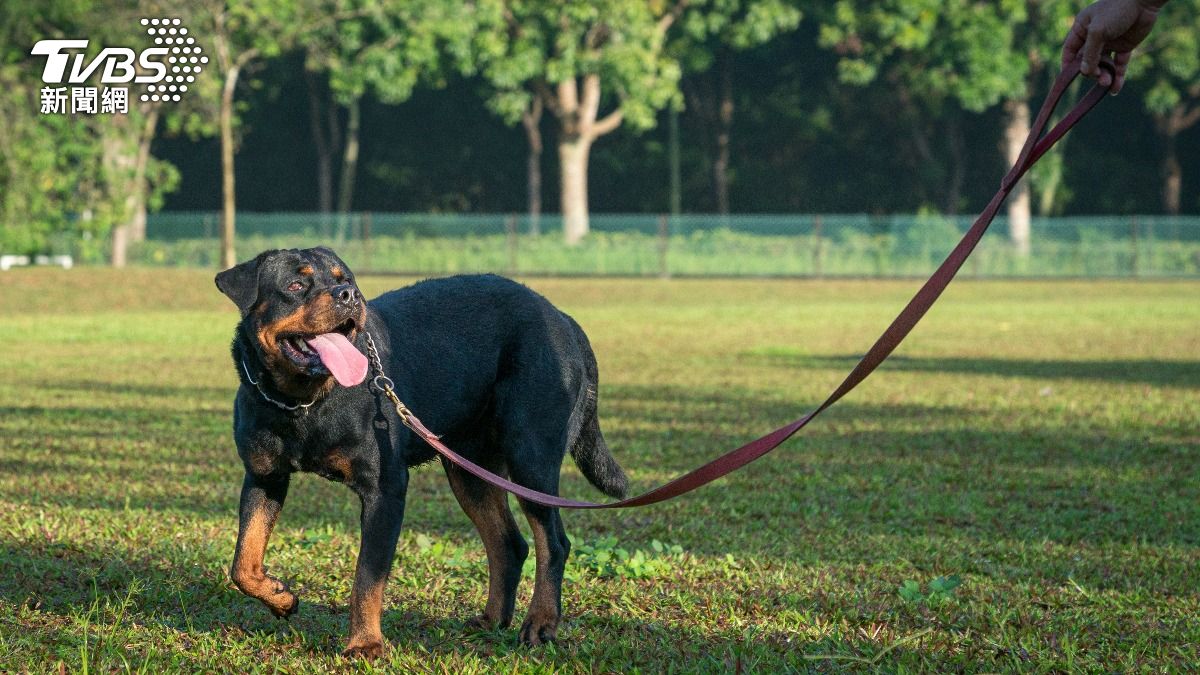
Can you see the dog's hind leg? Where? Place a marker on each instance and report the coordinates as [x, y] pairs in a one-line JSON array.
[[539, 470], [487, 507], [552, 548], [262, 499]]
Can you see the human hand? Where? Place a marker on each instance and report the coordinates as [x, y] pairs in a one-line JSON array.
[[1109, 26]]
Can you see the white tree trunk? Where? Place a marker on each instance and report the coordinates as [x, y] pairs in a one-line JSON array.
[[573, 164], [1016, 113]]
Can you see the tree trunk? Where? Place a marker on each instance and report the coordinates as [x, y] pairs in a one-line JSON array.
[[956, 146], [128, 169], [531, 119], [578, 129], [1016, 113], [322, 146], [1172, 174], [676, 177], [724, 126], [229, 202], [350, 157], [573, 164], [137, 221]]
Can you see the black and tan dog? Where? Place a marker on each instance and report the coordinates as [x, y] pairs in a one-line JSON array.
[[509, 380]]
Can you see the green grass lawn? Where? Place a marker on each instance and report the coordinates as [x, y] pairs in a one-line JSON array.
[[1036, 442]]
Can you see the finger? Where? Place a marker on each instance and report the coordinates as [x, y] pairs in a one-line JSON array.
[[1074, 42], [1120, 64], [1092, 47]]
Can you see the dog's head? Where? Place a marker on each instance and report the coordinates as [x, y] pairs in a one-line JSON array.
[[301, 313]]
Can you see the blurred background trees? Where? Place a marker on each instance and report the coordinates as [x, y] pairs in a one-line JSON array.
[[431, 105]]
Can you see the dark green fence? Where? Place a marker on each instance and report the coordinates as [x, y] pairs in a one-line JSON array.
[[744, 245]]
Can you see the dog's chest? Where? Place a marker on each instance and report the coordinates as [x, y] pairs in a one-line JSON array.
[[323, 447]]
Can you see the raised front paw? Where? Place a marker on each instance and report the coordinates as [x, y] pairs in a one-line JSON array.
[[369, 650], [539, 630], [270, 591]]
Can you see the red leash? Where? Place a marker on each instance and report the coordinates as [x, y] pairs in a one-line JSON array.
[[891, 338]]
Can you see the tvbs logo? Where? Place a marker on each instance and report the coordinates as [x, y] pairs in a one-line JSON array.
[[165, 69]]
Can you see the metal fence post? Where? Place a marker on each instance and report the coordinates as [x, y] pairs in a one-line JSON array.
[[510, 230], [664, 240]]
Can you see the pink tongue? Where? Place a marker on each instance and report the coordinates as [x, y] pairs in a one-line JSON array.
[[347, 364]]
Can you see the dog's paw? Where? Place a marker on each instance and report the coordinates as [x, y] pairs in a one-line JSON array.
[[537, 632], [483, 622], [281, 601], [364, 650], [283, 605]]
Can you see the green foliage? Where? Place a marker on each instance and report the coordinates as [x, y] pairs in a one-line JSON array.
[[939, 591], [389, 47], [604, 558], [975, 53], [64, 177], [518, 46], [1167, 65]]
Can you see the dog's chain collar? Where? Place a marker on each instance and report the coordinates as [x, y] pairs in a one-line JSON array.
[[381, 382], [385, 384], [262, 392]]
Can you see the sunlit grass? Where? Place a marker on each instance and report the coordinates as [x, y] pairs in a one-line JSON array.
[[1037, 440]]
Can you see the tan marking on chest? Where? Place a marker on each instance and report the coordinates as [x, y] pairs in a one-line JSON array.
[[339, 462]]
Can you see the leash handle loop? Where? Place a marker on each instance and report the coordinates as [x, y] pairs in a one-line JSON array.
[[1035, 146]]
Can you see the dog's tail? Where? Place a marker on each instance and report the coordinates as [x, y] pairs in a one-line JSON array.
[[584, 438]]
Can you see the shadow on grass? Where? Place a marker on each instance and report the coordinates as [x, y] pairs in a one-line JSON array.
[[1153, 372], [140, 389], [914, 467], [83, 597]]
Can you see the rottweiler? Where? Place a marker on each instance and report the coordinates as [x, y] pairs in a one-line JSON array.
[[506, 378]]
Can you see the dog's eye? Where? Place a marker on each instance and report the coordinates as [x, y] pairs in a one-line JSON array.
[[295, 286]]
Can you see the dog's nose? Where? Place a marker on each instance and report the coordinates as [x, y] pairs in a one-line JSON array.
[[345, 294]]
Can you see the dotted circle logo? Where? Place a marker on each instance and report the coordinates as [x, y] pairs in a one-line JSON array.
[[185, 58]]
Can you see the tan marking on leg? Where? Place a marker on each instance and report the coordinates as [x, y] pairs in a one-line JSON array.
[[541, 623], [494, 521], [248, 573], [366, 612]]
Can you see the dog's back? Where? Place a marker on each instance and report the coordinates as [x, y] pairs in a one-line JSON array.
[[514, 335]]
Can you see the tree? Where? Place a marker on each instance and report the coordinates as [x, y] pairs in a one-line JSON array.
[[975, 54], [577, 57], [1169, 61], [81, 175], [385, 47], [243, 32], [708, 39]]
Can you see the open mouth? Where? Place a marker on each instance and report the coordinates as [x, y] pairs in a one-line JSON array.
[[329, 353]]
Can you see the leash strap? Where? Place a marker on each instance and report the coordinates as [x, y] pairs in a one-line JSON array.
[[1033, 149]]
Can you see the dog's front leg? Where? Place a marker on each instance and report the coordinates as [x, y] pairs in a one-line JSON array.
[[382, 515], [262, 499]]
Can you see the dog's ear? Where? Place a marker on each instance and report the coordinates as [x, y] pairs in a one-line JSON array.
[[240, 283]]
